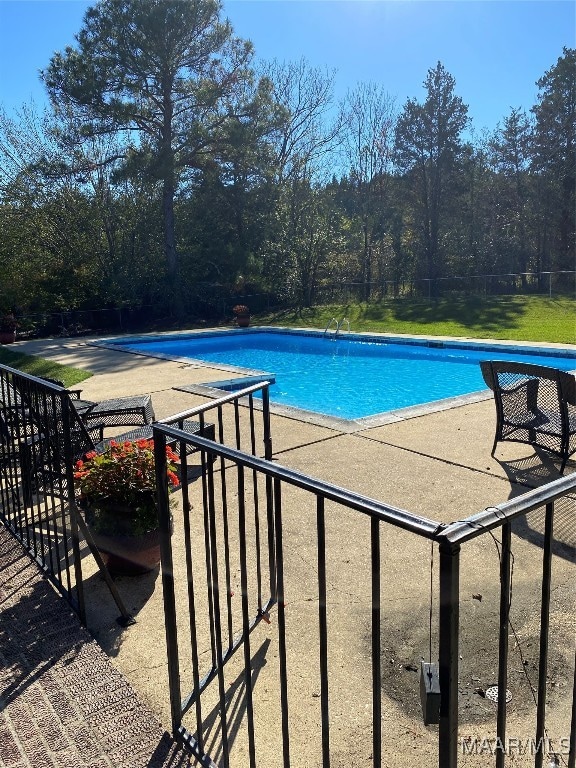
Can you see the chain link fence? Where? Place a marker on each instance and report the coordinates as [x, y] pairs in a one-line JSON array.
[[213, 304], [552, 284]]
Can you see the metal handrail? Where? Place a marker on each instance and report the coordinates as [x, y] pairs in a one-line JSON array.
[[329, 324], [228, 398], [453, 533], [421, 526], [495, 516]]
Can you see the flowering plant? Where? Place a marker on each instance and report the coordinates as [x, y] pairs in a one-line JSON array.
[[241, 309], [117, 488]]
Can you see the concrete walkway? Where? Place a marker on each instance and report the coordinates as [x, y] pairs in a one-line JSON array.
[[437, 465]]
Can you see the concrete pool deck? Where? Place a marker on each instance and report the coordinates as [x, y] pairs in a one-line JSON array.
[[437, 464]]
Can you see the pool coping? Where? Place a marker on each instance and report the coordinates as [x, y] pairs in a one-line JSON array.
[[249, 376]]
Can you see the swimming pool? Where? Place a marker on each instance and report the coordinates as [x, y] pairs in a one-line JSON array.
[[351, 377]]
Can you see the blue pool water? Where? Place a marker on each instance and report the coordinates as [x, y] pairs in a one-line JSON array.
[[350, 377]]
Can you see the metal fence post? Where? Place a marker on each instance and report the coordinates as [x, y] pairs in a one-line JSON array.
[[505, 573], [168, 590], [71, 503], [449, 615], [544, 634]]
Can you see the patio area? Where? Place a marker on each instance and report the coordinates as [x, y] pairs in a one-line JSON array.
[[437, 465]]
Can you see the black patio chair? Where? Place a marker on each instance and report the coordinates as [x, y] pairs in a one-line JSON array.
[[40, 433], [534, 404], [134, 410], [121, 412]]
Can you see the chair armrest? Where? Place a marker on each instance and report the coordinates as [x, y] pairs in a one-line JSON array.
[[96, 432]]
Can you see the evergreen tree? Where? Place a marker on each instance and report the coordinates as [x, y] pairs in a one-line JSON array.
[[554, 160], [510, 150], [428, 148], [164, 73]]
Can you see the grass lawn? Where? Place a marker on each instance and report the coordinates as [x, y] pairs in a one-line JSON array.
[[521, 318], [533, 318], [38, 366]]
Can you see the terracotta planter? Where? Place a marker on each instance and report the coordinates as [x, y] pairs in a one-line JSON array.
[[7, 337], [124, 552], [129, 555], [243, 320]]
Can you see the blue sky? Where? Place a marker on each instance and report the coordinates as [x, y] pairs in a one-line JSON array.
[[495, 49]]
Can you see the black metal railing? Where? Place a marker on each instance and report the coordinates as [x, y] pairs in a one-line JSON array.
[[500, 517], [36, 478], [254, 536], [41, 438], [235, 425]]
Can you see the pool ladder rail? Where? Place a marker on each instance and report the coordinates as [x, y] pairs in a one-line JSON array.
[[338, 327]]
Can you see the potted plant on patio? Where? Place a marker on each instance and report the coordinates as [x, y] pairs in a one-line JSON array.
[[117, 491], [8, 325], [242, 313]]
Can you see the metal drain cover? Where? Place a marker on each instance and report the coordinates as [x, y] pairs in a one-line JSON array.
[[492, 694]]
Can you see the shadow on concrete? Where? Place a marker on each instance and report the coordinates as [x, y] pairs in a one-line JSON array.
[[102, 612], [236, 708], [532, 472]]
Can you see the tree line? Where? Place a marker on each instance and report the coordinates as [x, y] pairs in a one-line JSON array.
[[172, 165]]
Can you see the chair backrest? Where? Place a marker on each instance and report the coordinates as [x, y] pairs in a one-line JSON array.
[[74, 393], [502, 375], [534, 404]]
